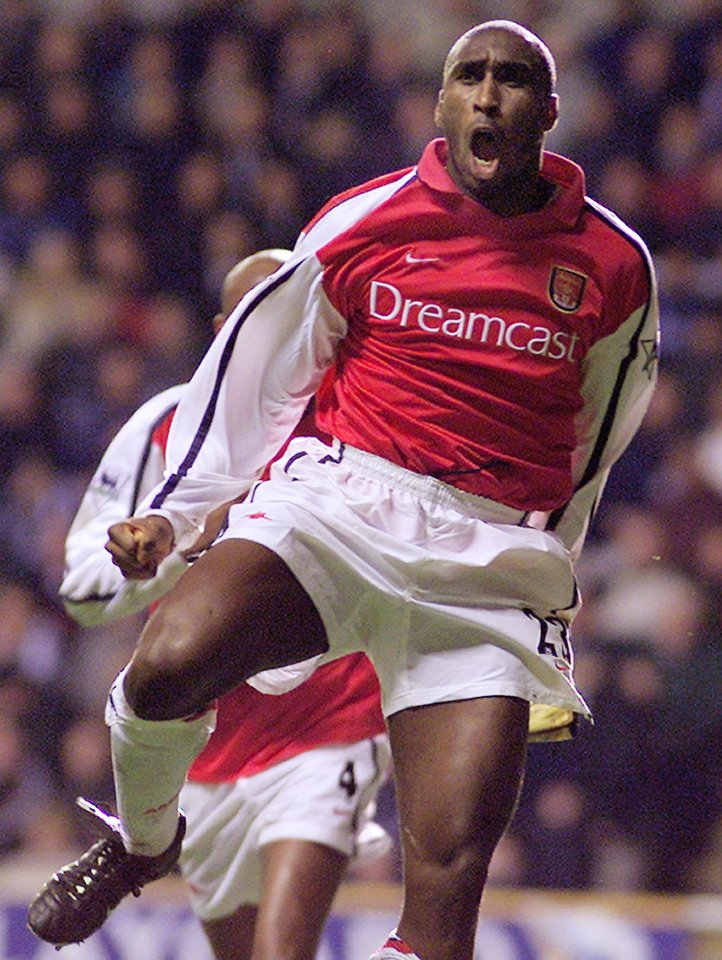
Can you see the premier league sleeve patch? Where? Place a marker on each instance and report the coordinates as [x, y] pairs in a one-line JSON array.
[[108, 483], [566, 288]]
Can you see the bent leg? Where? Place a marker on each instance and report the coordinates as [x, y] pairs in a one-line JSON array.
[[300, 880], [458, 769], [238, 610]]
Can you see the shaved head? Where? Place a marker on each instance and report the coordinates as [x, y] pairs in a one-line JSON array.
[[547, 66], [247, 273]]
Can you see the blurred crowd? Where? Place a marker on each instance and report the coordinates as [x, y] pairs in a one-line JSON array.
[[147, 145]]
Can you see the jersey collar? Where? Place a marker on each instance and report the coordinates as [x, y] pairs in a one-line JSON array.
[[563, 209]]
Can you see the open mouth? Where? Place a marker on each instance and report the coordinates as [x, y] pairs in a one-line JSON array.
[[485, 145]]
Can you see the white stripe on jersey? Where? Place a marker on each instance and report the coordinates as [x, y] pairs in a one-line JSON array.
[[345, 214]]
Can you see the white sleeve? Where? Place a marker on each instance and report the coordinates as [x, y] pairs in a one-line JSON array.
[[619, 377], [93, 590], [247, 395]]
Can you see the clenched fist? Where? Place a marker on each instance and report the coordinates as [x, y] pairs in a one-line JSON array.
[[139, 544]]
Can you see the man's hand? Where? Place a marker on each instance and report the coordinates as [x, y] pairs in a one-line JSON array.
[[139, 544]]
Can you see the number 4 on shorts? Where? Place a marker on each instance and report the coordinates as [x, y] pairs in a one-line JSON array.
[[347, 780]]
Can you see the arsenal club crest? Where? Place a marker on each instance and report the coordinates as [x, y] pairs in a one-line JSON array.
[[566, 288]]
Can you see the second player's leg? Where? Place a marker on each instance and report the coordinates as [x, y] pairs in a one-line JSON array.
[[300, 879], [231, 938], [238, 610], [458, 769]]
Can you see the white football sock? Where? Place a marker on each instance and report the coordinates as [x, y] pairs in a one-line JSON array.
[[150, 762]]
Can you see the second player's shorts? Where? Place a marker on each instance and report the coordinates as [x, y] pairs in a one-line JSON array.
[[324, 795], [450, 595]]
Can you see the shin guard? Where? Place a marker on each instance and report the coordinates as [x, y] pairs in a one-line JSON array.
[[150, 762]]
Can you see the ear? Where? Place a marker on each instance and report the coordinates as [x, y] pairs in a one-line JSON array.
[[552, 113], [437, 109]]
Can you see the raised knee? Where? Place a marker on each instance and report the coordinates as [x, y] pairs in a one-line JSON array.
[[162, 682], [153, 696], [178, 663]]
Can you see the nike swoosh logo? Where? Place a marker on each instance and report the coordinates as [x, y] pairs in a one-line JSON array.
[[411, 259]]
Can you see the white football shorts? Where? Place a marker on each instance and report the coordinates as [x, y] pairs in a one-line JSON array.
[[325, 795], [449, 594]]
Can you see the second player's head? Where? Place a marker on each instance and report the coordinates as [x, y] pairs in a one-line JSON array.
[[244, 276]]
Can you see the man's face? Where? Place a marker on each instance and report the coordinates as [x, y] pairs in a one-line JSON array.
[[494, 109]]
